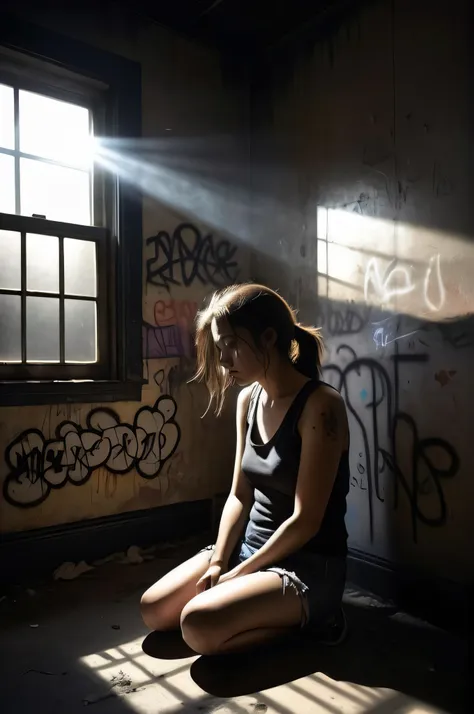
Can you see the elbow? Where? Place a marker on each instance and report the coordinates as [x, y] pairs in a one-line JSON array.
[[306, 528], [244, 498]]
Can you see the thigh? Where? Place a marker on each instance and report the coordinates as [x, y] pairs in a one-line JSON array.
[[246, 603], [323, 579], [163, 602]]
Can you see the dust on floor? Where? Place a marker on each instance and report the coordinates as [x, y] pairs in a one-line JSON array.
[[71, 645]]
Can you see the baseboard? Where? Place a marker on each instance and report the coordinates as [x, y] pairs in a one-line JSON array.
[[36, 553], [437, 600]]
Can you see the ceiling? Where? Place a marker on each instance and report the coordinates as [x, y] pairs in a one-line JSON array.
[[243, 26]]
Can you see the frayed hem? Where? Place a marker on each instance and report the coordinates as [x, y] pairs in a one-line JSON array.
[[290, 579]]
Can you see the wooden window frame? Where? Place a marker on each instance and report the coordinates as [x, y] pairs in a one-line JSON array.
[[110, 86], [105, 323]]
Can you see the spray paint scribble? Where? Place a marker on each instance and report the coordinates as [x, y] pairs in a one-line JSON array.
[[187, 256], [38, 465], [380, 418]]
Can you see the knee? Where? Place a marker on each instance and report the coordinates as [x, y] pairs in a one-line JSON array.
[[200, 630], [154, 612]]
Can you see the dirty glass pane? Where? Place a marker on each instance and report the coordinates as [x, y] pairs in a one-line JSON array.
[[42, 329], [10, 328], [58, 193], [7, 121], [80, 331], [42, 263], [7, 184], [10, 261], [79, 267], [54, 129]]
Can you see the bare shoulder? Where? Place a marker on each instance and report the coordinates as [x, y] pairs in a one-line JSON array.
[[243, 402], [325, 411]]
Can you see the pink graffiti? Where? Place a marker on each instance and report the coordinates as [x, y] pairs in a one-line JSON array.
[[180, 314]]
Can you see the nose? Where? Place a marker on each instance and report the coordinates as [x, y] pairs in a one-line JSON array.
[[225, 359]]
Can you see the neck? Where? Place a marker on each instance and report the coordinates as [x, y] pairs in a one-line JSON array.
[[282, 380]]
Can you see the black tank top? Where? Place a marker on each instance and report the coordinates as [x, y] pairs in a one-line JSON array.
[[272, 470]]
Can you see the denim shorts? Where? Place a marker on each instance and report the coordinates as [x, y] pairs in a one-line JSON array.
[[318, 580]]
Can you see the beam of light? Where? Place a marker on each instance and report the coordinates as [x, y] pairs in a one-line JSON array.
[[207, 186], [395, 266], [208, 179]]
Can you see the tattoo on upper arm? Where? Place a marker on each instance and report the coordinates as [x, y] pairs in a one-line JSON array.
[[330, 424]]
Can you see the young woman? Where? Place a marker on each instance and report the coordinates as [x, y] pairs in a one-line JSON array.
[[289, 488]]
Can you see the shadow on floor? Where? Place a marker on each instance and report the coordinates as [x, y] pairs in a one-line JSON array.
[[384, 649], [166, 645]]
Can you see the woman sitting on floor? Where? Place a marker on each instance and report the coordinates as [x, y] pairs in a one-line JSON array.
[[279, 561]]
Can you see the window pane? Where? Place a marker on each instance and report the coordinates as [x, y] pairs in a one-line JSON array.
[[7, 184], [10, 328], [80, 340], [7, 122], [79, 267], [55, 192], [42, 329], [54, 129], [42, 263], [10, 261]]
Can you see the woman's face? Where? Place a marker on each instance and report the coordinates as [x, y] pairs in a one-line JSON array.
[[239, 355]]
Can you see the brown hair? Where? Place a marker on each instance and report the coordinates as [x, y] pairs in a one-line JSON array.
[[256, 308]]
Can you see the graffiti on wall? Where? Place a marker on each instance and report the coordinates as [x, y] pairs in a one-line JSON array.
[[187, 256], [343, 320], [398, 280], [170, 381], [392, 447], [37, 464], [172, 333]]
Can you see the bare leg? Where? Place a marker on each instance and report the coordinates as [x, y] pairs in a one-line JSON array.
[[240, 613], [244, 640], [162, 603]]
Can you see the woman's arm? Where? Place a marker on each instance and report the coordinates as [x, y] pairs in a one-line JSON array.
[[239, 501], [324, 435]]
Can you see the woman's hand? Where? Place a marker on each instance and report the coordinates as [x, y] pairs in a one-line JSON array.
[[210, 578], [232, 574]]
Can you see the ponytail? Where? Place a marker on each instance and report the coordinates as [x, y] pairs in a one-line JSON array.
[[307, 350]]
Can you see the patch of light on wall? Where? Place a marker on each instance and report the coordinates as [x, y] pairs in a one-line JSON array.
[[396, 266]]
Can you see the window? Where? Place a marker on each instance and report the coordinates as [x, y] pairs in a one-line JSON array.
[[46, 156], [50, 287], [65, 236]]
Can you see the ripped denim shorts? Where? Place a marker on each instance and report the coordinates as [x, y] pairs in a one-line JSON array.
[[318, 580]]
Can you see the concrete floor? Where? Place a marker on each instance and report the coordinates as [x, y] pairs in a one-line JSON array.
[[70, 644]]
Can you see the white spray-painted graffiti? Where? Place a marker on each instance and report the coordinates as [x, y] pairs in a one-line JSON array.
[[398, 280], [38, 465]]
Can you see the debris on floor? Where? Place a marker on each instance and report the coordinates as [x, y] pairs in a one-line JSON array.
[[133, 556], [70, 571], [121, 682]]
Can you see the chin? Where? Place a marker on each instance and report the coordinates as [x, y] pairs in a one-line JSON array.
[[243, 381]]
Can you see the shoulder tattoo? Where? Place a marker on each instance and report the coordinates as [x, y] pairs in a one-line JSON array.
[[330, 423]]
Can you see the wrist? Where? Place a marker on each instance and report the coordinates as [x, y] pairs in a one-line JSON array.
[[244, 568], [217, 561]]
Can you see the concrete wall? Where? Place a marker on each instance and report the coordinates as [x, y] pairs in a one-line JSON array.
[[189, 111], [360, 180]]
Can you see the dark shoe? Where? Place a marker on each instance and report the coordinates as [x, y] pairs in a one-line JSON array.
[[335, 632]]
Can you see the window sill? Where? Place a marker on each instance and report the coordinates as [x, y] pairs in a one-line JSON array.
[[31, 393]]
